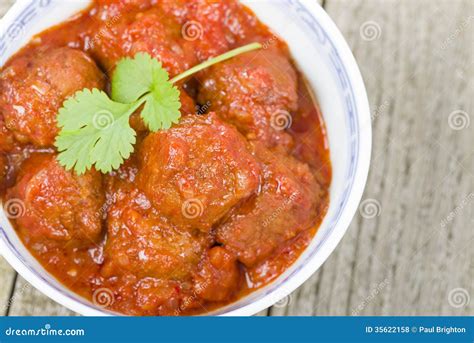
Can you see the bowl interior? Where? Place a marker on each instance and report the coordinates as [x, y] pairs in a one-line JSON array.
[[317, 47]]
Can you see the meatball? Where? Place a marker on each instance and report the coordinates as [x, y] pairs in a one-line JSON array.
[[33, 89], [209, 37], [56, 204], [195, 172], [287, 204], [218, 275], [3, 170], [172, 30], [110, 10], [283, 257], [142, 243], [227, 24], [152, 32], [256, 92], [6, 137], [162, 297]]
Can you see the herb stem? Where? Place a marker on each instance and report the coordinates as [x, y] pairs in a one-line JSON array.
[[218, 59], [136, 105], [84, 144]]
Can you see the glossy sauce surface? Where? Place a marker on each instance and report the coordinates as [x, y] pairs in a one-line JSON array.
[[201, 214]]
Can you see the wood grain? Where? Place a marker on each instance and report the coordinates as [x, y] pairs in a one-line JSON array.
[[27, 301], [404, 261], [7, 284], [417, 60], [5, 5]]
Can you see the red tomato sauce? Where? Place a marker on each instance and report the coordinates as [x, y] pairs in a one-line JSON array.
[[201, 214]]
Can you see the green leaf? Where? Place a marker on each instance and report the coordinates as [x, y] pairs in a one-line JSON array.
[[75, 148], [135, 77], [144, 76], [114, 146], [94, 130], [162, 107]]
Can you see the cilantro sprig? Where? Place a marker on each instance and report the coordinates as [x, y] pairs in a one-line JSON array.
[[95, 129]]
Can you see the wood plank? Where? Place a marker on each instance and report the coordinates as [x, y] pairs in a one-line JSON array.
[[7, 284], [418, 251], [4, 6], [27, 301]]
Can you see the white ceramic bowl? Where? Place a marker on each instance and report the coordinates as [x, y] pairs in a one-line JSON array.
[[324, 57]]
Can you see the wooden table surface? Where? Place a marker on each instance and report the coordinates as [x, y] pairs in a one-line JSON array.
[[409, 250]]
